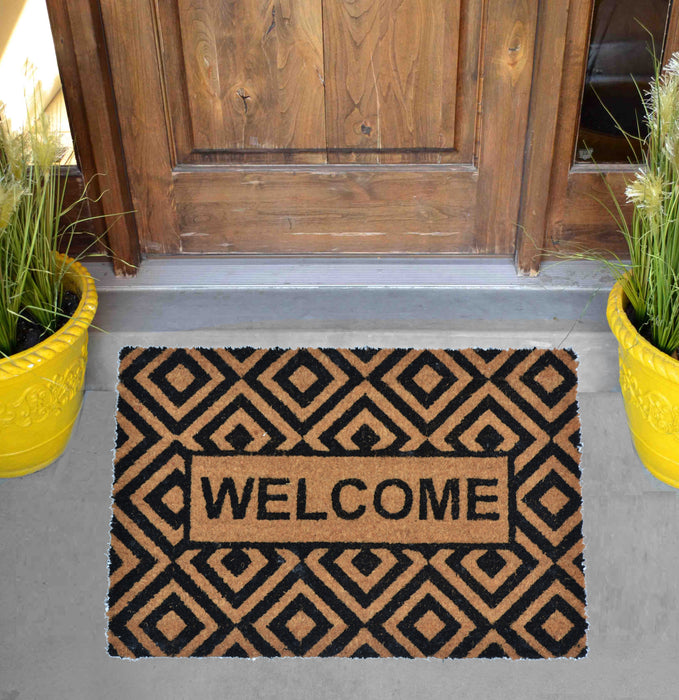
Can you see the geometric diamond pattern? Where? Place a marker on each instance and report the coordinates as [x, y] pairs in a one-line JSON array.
[[429, 626], [300, 625], [169, 596], [491, 563], [366, 562], [553, 489], [172, 625]]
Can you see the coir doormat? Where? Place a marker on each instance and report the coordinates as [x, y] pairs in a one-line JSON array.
[[356, 503]]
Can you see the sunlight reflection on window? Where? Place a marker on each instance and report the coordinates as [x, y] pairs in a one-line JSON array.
[[27, 62]]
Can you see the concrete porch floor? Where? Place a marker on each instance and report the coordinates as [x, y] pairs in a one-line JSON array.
[[54, 524]]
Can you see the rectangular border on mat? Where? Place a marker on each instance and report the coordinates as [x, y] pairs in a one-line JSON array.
[[392, 535]]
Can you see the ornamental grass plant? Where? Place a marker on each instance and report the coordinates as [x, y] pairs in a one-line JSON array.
[[651, 279], [35, 222]]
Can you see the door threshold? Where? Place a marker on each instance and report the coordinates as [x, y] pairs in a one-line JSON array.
[[210, 273]]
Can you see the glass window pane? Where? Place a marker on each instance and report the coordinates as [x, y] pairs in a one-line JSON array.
[[620, 54], [28, 63]]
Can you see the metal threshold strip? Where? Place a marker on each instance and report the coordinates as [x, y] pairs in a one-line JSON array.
[[211, 273]]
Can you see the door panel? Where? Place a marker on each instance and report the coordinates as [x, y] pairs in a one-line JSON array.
[[254, 74], [332, 211], [323, 126], [391, 80]]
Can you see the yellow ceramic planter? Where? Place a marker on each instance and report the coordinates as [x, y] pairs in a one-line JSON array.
[[649, 380], [41, 389]]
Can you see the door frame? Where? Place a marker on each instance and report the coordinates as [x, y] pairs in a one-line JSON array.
[[83, 61]]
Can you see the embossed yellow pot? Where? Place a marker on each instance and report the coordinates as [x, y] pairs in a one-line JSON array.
[[41, 389], [649, 380]]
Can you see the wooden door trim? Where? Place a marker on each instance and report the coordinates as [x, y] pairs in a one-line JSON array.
[[85, 75], [508, 55], [129, 28], [579, 220], [541, 145]]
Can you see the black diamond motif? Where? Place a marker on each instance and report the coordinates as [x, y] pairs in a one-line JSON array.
[[172, 646], [211, 432], [279, 625], [511, 581], [365, 354], [491, 563], [493, 651], [487, 355], [328, 438], [558, 647], [549, 398], [114, 562], [155, 499], [366, 561], [345, 580], [489, 439], [365, 437], [237, 650], [575, 440], [179, 358], [365, 652], [488, 404], [429, 647], [121, 436], [554, 520], [236, 562], [239, 438], [426, 398], [306, 360]]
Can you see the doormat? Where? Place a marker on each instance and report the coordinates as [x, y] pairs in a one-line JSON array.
[[356, 503]]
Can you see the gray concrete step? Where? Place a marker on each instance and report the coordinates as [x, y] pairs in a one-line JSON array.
[[442, 304]]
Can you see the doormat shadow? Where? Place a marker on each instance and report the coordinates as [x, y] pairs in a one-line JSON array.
[[356, 503]]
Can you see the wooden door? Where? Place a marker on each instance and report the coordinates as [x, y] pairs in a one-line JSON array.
[[323, 126]]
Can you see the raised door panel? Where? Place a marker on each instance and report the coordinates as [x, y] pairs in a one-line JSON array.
[[259, 68], [245, 79], [391, 80], [327, 211]]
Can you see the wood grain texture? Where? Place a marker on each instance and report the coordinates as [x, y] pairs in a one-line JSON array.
[[83, 65], [586, 224], [468, 93], [254, 74], [131, 38], [510, 27], [83, 242], [328, 210], [391, 78], [540, 146], [568, 118]]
